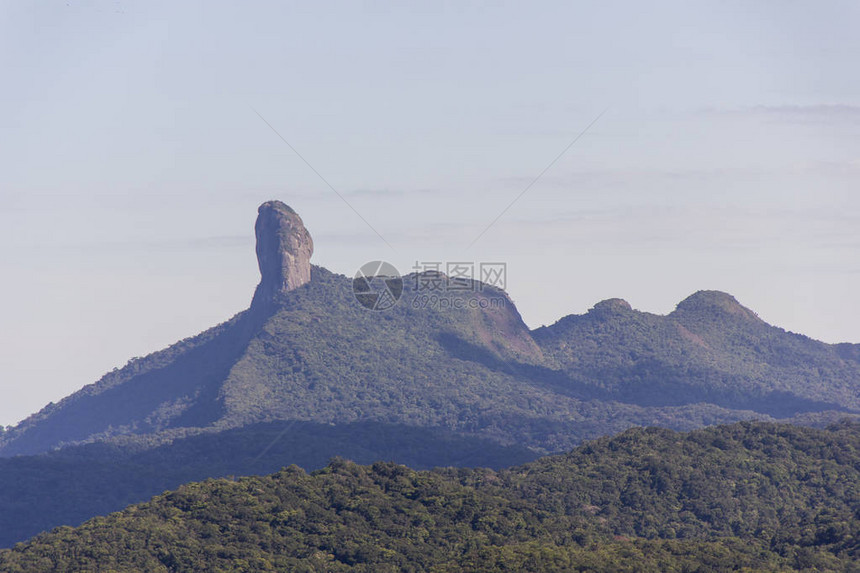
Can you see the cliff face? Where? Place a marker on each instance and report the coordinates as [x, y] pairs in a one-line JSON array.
[[284, 249]]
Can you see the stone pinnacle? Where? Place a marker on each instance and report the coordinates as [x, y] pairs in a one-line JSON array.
[[284, 249]]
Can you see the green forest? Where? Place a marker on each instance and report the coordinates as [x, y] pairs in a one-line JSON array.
[[75, 483], [744, 497]]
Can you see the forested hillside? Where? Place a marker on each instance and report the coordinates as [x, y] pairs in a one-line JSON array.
[[73, 484], [710, 349], [752, 496]]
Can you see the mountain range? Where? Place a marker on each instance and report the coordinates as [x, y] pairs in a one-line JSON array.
[[309, 372]]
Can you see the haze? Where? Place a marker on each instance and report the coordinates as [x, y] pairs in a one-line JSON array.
[[133, 160]]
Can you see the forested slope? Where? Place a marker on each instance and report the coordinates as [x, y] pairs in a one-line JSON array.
[[757, 496]]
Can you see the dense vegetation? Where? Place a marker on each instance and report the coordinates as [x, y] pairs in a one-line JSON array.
[[749, 496], [710, 349], [76, 483]]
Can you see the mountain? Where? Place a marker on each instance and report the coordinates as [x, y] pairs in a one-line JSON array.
[[710, 349], [309, 358], [749, 496], [307, 350]]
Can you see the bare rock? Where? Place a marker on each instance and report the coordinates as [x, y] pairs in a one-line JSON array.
[[284, 249]]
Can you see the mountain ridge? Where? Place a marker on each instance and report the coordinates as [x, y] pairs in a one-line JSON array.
[[306, 350]]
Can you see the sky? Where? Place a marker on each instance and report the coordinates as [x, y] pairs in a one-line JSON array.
[[725, 155]]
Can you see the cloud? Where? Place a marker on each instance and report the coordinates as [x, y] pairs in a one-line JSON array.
[[831, 168], [386, 192], [215, 242], [212, 243], [641, 176], [680, 227], [814, 113]]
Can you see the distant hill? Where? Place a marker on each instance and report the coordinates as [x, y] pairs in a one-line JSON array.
[[749, 496], [307, 351], [72, 484], [710, 349]]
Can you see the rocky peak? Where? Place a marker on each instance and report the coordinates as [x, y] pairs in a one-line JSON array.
[[709, 302], [612, 305], [284, 249]]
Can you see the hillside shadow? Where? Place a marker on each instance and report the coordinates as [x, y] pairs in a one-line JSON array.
[[542, 376], [183, 393], [71, 485], [648, 383]]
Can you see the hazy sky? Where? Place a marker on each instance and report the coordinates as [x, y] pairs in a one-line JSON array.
[[133, 160]]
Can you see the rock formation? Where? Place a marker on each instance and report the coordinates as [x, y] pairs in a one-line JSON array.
[[284, 249], [713, 303], [612, 306]]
